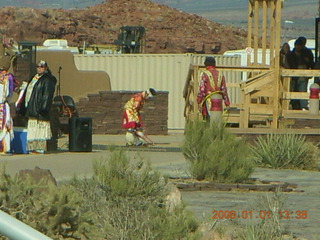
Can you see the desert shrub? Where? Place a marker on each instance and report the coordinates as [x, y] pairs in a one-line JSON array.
[[270, 226], [122, 201], [140, 219], [53, 211], [126, 179], [285, 151], [128, 199], [215, 154]]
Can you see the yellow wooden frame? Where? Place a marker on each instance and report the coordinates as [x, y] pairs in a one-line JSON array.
[[265, 94]]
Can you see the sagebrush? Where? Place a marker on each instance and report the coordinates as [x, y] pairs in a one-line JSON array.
[[121, 201], [215, 154]]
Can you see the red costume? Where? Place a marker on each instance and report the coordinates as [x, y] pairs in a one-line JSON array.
[[131, 119], [211, 82], [131, 115]]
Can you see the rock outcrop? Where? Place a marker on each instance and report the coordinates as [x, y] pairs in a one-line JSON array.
[[167, 30]]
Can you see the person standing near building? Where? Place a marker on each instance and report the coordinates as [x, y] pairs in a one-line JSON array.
[[7, 86], [36, 104], [131, 119], [212, 91]]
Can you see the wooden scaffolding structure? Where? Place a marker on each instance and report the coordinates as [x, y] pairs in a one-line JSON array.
[[265, 94]]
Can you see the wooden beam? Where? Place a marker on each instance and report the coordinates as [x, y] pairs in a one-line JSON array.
[[265, 92], [255, 78], [244, 113], [261, 109], [244, 69], [295, 95], [236, 68], [258, 85], [305, 131], [300, 72], [298, 114]]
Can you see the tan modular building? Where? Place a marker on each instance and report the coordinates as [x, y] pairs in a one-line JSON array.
[[165, 72], [72, 81]]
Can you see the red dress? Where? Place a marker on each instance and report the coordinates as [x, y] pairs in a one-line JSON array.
[[210, 84], [131, 115]]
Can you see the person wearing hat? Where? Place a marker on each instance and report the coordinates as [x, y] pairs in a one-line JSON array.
[[35, 105], [212, 90], [7, 86], [131, 119]]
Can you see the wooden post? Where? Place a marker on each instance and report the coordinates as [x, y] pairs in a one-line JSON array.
[[249, 37], [264, 32], [276, 98], [256, 33], [272, 32], [195, 92]]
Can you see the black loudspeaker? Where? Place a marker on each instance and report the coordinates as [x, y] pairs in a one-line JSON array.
[[80, 134]]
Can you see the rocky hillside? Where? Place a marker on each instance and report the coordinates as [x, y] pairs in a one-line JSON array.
[[167, 30]]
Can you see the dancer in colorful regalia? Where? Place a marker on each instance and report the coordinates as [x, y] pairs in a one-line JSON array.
[[212, 92], [7, 86], [131, 119]]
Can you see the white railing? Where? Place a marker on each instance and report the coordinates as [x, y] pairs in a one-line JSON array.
[[16, 230]]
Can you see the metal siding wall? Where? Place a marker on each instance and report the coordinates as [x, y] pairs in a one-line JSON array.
[[165, 72]]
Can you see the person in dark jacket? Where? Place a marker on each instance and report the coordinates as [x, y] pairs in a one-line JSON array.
[[299, 58], [36, 103]]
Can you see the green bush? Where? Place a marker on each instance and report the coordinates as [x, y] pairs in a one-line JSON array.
[[128, 180], [132, 198], [215, 154], [121, 201], [139, 219], [53, 211], [131, 218], [285, 151]]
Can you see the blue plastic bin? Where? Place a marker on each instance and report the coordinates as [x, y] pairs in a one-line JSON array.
[[19, 143]]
